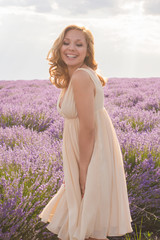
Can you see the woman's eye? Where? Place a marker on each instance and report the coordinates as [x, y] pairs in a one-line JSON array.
[[65, 43], [78, 44]]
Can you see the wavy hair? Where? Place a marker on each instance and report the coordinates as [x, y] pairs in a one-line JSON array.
[[58, 70]]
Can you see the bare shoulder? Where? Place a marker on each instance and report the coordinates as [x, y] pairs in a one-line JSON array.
[[82, 79]]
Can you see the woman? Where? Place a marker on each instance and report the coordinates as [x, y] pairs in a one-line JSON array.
[[92, 202]]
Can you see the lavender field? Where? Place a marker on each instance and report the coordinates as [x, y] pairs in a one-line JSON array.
[[31, 167]]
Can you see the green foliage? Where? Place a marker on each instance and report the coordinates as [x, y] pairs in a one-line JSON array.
[[37, 121], [134, 156]]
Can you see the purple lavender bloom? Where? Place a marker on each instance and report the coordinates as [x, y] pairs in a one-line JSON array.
[[31, 151]]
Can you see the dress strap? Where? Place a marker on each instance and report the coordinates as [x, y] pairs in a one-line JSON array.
[[92, 75]]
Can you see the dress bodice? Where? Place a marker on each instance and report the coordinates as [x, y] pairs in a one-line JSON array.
[[68, 108]]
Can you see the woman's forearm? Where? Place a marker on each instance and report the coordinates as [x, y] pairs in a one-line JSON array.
[[86, 145]]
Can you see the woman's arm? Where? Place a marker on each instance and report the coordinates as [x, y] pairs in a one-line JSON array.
[[84, 91]]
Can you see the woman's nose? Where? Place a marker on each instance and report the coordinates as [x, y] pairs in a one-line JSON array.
[[71, 46]]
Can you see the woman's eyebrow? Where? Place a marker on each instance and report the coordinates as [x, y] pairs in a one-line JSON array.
[[75, 40]]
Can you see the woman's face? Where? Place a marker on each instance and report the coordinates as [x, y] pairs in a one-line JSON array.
[[74, 48]]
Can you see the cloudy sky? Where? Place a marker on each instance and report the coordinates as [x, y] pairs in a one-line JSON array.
[[126, 32]]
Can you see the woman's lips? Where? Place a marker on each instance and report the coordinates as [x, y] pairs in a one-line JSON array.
[[71, 56]]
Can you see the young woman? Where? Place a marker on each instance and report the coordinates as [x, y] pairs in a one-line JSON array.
[[92, 203]]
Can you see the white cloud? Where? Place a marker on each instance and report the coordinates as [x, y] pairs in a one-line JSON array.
[[126, 44], [149, 7], [69, 8], [152, 7], [38, 5], [84, 7]]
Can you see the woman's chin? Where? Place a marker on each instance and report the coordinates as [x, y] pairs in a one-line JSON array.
[[76, 65]]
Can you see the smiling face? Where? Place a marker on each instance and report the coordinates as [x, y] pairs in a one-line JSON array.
[[74, 49]]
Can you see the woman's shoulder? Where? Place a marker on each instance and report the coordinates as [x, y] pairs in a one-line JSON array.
[[84, 69], [81, 77], [80, 73]]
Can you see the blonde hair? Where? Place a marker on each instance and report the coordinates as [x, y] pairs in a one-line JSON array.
[[58, 70]]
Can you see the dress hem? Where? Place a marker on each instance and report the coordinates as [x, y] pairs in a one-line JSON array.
[[56, 232]]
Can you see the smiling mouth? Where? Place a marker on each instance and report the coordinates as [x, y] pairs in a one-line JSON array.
[[71, 56]]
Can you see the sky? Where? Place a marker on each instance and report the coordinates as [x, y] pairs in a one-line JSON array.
[[126, 34]]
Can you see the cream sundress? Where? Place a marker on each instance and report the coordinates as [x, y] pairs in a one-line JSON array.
[[104, 209]]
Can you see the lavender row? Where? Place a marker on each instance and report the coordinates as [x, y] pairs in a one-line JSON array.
[[31, 143]]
